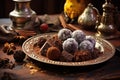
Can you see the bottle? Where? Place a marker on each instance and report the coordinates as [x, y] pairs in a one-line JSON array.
[[21, 14]]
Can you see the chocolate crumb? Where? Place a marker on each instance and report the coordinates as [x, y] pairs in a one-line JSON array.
[[5, 63], [9, 48]]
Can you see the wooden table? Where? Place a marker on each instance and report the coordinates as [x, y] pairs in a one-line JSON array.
[[109, 70]]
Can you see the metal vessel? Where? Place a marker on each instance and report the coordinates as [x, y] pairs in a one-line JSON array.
[[107, 26], [21, 14]]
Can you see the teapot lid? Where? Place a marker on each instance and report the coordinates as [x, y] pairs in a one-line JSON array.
[[90, 5], [108, 5]]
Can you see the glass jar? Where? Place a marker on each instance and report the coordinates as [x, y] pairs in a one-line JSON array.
[[21, 14]]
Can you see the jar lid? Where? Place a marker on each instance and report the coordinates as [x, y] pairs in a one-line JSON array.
[[108, 4], [21, 0]]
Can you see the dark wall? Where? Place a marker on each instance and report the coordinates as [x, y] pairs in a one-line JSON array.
[[98, 4], [47, 6], [39, 6], [2, 8]]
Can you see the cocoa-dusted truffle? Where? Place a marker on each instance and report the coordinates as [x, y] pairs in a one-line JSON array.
[[53, 53], [82, 55], [66, 57], [64, 34], [96, 53], [41, 41], [53, 41], [19, 56], [70, 45], [56, 42], [86, 45], [78, 35]]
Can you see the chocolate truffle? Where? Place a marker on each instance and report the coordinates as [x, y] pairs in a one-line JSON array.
[[53, 53], [19, 56], [91, 39], [70, 45], [82, 55], [96, 53], [78, 35], [56, 42], [86, 45], [64, 34], [53, 41], [66, 57], [41, 41]]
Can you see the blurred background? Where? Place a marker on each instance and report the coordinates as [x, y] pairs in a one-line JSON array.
[[47, 6]]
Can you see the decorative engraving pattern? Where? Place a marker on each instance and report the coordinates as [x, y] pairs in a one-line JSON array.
[[105, 46]]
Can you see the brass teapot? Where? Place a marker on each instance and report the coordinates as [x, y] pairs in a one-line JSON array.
[[89, 17], [107, 25]]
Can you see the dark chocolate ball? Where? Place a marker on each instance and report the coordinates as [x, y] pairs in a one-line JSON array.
[[53, 53], [19, 56]]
